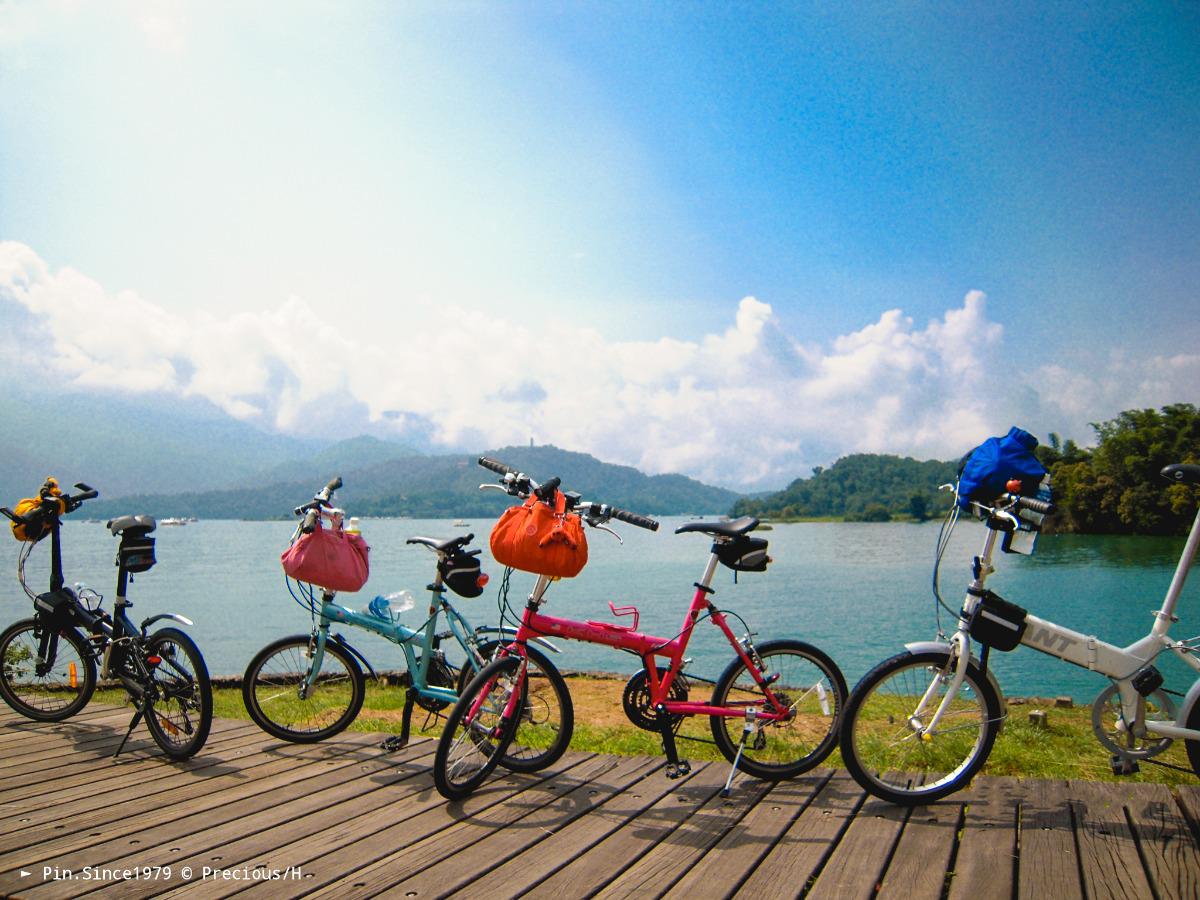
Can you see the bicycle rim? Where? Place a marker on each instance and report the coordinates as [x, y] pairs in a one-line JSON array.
[[885, 743], [47, 691]]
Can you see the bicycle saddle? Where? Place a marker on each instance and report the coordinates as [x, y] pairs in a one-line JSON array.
[[116, 526], [721, 529], [1182, 473], [442, 546]]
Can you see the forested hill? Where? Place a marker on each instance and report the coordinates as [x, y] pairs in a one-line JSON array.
[[864, 487], [1113, 488], [437, 487]]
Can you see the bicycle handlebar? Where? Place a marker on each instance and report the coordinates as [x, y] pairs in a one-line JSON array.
[[496, 466], [519, 484], [310, 520], [1034, 505]]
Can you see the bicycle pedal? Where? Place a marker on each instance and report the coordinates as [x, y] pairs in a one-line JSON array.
[[679, 769], [394, 743], [1122, 766]]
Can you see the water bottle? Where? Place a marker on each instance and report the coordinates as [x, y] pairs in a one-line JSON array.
[[352, 526], [90, 599], [391, 606]]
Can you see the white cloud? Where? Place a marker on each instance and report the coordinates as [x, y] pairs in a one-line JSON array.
[[747, 407]]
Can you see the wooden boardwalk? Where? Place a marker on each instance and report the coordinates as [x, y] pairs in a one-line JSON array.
[[344, 819]]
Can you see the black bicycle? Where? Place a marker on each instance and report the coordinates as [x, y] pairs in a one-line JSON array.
[[48, 664]]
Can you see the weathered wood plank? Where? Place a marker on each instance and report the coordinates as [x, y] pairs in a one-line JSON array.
[[1048, 863], [293, 807], [1167, 844], [556, 851], [161, 839], [1108, 856], [479, 862], [790, 865], [856, 865], [196, 789], [332, 846], [987, 850], [472, 848], [918, 867], [723, 869], [655, 828], [657, 871]]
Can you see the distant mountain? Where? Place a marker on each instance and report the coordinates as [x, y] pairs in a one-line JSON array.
[[861, 486], [356, 453], [438, 486], [147, 445]]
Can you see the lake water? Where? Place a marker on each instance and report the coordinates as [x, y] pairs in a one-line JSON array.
[[857, 590]]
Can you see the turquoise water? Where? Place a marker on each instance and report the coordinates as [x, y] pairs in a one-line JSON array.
[[857, 590]]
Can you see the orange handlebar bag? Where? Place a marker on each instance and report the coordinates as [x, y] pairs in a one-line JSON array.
[[534, 537]]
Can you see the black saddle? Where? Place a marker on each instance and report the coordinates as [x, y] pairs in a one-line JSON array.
[[446, 546], [732, 529], [1182, 473], [117, 526]]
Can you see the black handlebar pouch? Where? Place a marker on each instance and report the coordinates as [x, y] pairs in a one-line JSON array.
[[997, 623]]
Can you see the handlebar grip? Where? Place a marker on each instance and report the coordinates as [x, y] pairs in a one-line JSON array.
[[310, 521], [635, 519], [496, 466], [89, 494], [1037, 506], [546, 491], [324, 494]]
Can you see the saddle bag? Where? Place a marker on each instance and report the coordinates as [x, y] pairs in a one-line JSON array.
[[743, 554]]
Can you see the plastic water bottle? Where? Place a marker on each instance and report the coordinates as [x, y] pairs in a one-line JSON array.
[[391, 606], [352, 525]]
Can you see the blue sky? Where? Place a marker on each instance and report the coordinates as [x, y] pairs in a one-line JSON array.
[[445, 191]]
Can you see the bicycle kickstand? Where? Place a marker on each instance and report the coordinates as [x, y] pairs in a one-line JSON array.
[[137, 717], [400, 741], [676, 767], [747, 730]]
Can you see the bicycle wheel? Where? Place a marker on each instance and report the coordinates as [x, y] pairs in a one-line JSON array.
[[180, 716], [547, 713], [272, 690], [46, 690], [477, 732], [810, 684], [883, 747], [1193, 747]]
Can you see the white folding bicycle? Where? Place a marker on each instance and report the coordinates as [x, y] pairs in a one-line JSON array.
[[921, 724]]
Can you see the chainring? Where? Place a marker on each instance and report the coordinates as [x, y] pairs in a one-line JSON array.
[[636, 700], [439, 675], [1106, 717]]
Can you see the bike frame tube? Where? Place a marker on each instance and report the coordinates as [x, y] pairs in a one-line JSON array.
[[535, 624]]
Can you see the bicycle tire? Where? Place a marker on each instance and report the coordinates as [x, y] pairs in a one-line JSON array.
[[271, 685], [811, 683], [882, 750], [180, 716], [55, 695], [1193, 747], [547, 713], [463, 760]]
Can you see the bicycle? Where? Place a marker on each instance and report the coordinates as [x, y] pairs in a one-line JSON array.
[[921, 724], [308, 687], [48, 668], [774, 710]]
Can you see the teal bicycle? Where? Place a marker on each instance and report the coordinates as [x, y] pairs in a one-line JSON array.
[[308, 687]]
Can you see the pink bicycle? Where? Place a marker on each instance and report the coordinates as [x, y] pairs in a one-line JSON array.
[[774, 712]]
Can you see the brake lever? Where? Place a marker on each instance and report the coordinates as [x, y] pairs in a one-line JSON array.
[[602, 527]]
